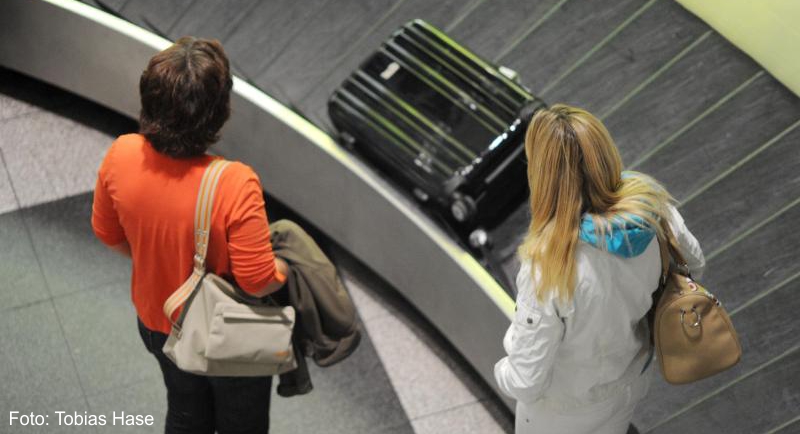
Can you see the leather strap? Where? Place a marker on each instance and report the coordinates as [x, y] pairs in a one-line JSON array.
[[202, 231], [670, 252]]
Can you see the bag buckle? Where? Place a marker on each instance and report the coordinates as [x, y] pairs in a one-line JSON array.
[[697, 317], [684, 268], [199, 262]]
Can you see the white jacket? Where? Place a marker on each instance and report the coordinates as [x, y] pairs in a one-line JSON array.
[[567, 357]]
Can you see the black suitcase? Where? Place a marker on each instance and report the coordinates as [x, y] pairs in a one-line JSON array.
[[445, 124]]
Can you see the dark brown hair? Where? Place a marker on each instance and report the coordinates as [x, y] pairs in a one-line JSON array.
[[185, 93]]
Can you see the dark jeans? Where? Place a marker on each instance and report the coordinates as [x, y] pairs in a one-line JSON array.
[[201, 405]]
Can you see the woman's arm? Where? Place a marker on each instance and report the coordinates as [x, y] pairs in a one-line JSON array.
[[105, 220], [275, 284], [531, 343], [253, 263], [122, 248]]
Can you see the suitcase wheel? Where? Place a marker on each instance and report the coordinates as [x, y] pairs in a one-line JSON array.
[[462, 208]]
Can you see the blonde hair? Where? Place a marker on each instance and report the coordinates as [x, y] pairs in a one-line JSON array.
[[574, 167]]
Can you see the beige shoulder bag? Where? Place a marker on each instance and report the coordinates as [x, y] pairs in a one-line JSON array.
[[694, 337], [221, 331]]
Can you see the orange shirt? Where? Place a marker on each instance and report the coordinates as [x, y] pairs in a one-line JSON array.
[[148, 199]]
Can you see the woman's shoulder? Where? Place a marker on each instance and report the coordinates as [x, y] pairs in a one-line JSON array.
[[239, 179], [122, 151], [587, 259], [128, 142], [239, 173], [550, 304]]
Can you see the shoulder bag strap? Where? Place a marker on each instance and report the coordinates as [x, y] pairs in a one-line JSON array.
[[665, 249], [670, 252], [202, 232], [665, 261]]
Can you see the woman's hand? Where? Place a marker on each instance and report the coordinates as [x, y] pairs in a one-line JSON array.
[[280, 267]]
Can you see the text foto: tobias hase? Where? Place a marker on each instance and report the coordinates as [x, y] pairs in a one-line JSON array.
[[75, 418]]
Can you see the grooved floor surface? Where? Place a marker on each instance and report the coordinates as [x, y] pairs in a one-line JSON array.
[[682, 103]]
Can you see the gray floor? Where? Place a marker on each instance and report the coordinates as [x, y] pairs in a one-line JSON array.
[[71, 325], [68, 327], [682, 103]]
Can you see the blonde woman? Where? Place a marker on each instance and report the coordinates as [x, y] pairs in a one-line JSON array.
[[579, 343]]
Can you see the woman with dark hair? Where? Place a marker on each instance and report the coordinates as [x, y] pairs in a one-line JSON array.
[[144, 207]]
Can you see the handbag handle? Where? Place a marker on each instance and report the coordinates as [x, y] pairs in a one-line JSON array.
[[202, 232], [669, 251]]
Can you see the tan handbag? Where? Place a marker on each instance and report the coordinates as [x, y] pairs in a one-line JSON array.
[[221, 331], [693, 334]]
